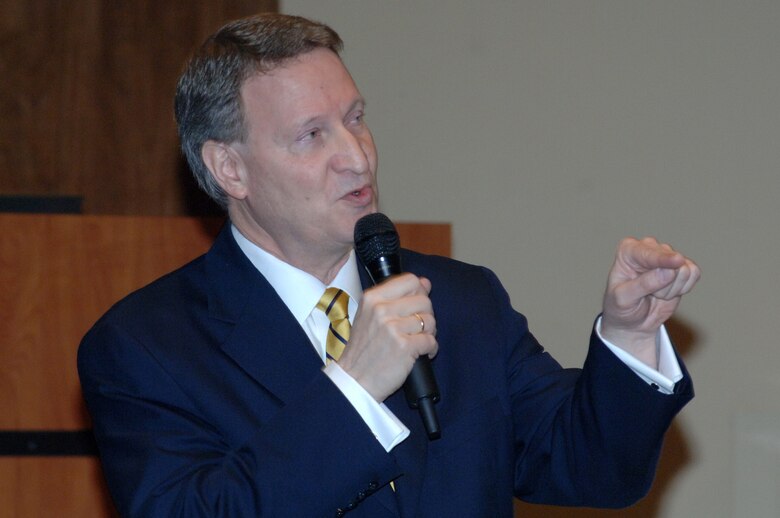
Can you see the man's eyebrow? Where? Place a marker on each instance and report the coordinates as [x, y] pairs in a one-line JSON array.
[[309, 121], [359, 102]]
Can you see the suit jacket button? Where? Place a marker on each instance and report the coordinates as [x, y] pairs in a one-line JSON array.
[[373, 486]]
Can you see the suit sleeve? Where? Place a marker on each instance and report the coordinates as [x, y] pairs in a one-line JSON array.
[[584, 437], [163, 459]]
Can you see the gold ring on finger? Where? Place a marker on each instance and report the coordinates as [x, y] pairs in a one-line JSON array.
[[422, 322]]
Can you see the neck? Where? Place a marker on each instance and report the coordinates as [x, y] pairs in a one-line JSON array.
[[320, 263], [325, 271]]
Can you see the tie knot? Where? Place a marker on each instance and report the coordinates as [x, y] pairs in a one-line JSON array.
[[334, 303]]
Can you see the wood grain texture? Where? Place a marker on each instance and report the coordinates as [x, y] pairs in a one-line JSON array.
[[59, 275], [428, 238], [86, 100], [46, 487]]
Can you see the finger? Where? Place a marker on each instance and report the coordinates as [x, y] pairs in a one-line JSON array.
[[399, 313], [628, 292], [649, 258], [685, 278], [423, 344], [398, 286], [418, 323], [648, 254], [672, 289], [408, 305], [415, 324], [694, 277]]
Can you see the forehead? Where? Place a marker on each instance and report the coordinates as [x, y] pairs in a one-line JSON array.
[[311, 85]]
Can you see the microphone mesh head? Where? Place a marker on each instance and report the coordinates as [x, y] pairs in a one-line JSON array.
[[375, 236]]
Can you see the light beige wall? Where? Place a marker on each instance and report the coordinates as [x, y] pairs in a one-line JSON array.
[[547, 130]]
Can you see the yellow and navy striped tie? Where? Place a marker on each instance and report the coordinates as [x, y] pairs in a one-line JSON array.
[[335, 302]]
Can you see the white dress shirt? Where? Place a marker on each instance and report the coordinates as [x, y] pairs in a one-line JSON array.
[[301, 291]]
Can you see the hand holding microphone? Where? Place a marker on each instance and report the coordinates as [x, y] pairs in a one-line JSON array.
[[394, 331]]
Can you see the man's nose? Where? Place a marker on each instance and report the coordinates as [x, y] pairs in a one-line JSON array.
[[351, 154]]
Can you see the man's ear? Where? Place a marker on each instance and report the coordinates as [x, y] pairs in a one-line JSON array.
[[226, 167]]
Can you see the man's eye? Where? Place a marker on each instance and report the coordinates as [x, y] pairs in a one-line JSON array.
[[310, 135]]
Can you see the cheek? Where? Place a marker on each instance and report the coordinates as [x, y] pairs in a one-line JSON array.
[[297, 179]]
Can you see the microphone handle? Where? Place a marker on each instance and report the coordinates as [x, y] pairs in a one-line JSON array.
[[421, 393]]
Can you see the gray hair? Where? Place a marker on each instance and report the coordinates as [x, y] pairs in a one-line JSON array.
[[208, 95]]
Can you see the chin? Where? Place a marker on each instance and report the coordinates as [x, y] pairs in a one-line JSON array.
[[365, 211]]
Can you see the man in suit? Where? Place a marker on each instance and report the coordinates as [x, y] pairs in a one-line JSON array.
[[214, 391]]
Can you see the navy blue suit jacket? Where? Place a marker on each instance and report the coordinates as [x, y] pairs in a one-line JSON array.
[[209, 400]]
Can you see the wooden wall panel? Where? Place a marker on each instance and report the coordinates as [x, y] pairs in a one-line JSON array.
[[86, 100], [59, 274], [428, 238], [47, 487]]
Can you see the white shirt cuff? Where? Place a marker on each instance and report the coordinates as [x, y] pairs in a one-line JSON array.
[[669, 371], [385, 426]]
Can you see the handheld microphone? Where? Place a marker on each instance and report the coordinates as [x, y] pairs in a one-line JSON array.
[[377, 246]]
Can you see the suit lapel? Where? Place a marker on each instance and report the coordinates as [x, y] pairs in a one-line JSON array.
[[266, 340]]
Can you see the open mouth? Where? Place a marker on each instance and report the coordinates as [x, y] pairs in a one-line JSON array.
[[360, 196]]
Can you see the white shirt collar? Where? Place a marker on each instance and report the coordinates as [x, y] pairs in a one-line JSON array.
[[300, 291]]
